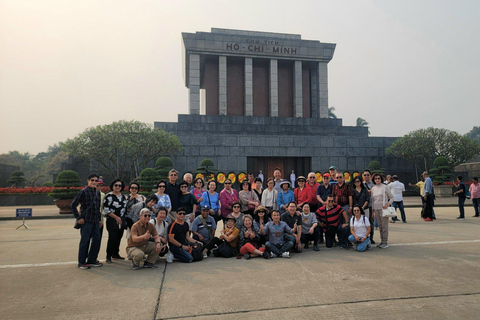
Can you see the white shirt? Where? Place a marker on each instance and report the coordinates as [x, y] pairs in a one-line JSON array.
[[162, 229], [360, 227], [397, 189]]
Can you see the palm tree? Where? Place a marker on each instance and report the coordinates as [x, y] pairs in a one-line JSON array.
[[331, 115], [362, 123]]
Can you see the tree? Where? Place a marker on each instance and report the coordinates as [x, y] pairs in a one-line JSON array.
[[474, 134], [122, 146], [362, 123], [424, 145], [206, 168], [163, 166], [375, 167], [442, 171], [331, 113], [17, 179]]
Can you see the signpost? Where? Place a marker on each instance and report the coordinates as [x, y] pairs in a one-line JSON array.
[[24, 212]]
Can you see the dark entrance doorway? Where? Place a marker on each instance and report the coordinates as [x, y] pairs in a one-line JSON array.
[[301, 166]]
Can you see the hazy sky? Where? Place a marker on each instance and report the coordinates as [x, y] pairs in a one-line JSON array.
[[66, 65]]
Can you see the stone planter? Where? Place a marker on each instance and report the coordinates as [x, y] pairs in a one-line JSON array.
[[64, 205], [443, 191]]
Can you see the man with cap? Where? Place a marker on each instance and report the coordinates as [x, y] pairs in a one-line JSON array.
[[140, 242], [203, 229], [285, 196], [302, 193], [312, 186], [428, 197], [333, 174], [398, 189]]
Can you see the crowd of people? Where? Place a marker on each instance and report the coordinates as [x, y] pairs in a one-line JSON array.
[[179, 222]]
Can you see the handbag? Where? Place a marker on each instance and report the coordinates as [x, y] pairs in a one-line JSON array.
[[390, 211]]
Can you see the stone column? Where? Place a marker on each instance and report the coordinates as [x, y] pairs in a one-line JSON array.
[[297, 90], [322, 90], [248, 86], [222, 85], [194, 84], [273, 88]]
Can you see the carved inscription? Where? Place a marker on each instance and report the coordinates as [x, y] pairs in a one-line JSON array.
[[261, 46]]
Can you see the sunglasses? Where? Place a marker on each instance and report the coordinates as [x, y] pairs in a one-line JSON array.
[[181, 213], [329, 200], [94, 180], [183, 186], [133, 188], [117, 185], [162, 186], [236, 207], [147, 215], [227, 183]]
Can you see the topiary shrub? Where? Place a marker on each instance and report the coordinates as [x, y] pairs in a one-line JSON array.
[[163, 166], [17, 179], [148, 179], [206, 168], [442, 170], [66, 185], [375, 167], [48, 184]]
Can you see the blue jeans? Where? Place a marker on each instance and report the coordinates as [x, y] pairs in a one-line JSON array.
[[476, 205], [360, 246], [279, 248], [181, 254], [399, 205], [88, 251], [461, 204]]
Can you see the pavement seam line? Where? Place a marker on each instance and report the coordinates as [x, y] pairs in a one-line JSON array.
[[323, 305], [160, 292]]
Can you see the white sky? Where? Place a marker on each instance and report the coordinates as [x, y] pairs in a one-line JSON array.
[[66, 65]]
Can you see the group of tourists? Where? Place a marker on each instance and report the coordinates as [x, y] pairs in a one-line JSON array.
[[180, 220]]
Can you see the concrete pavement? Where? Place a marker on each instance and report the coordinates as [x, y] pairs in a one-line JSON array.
[[430, 271]]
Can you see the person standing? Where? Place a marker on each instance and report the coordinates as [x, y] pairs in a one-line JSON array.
[[312, 186], [277, 176], [260, 175], [292, 178], [90, 222], [381, 198], [461, 193], [368, 183], [475, 194], [285, 196], [227, 197], [302, 194], [398, 189], [428, 197], [173, 191], [115, 207]]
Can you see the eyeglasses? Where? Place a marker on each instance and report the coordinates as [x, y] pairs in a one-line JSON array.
[[198, 182], [356, 210], [183, 186], [236, 207], [378, 178], [227, 183], [117, 185], [94, 180], [147, 215], [162, 186], [181, 213], [311, 177], [133, 188], [173, 174], [339, 177]]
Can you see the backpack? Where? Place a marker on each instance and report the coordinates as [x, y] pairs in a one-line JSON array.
[[197, 252], [466, 190]]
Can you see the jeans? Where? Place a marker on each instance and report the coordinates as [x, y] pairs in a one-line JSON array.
[[181, 254], [476, 205], [278, 248], [292, 239], [88, 251], [461, 206], [399, 205], [360, 246]]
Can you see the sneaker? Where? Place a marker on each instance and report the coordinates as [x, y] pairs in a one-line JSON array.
[[344, 247], [372, 242], [169, 257], [95, 264], [428, 219], [369, 246], [149, 265], [273, 255], [135, 267], [205, 255], [246, 256], [266, 255], [460, 218], [404, 221], [84, 266], [118, 258], [108, 260], [316, 248], [305, 246], [383, 246], [286, 255]]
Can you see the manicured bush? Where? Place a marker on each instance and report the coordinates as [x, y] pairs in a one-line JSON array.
[[66, 185]]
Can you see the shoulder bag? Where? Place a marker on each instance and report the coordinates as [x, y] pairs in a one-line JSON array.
[[390, 211]]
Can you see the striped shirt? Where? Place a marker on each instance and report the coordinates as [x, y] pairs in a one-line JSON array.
[[329, 217]]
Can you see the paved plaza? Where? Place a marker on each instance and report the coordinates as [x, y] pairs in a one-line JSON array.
[[430, 271]]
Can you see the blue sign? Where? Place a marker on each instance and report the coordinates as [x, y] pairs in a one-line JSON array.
[[26, 212]]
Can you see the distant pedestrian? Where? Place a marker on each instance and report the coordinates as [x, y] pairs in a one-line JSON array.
[[461, 193], [90, 222], [398, 189], [475, 194], [428, 197]]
